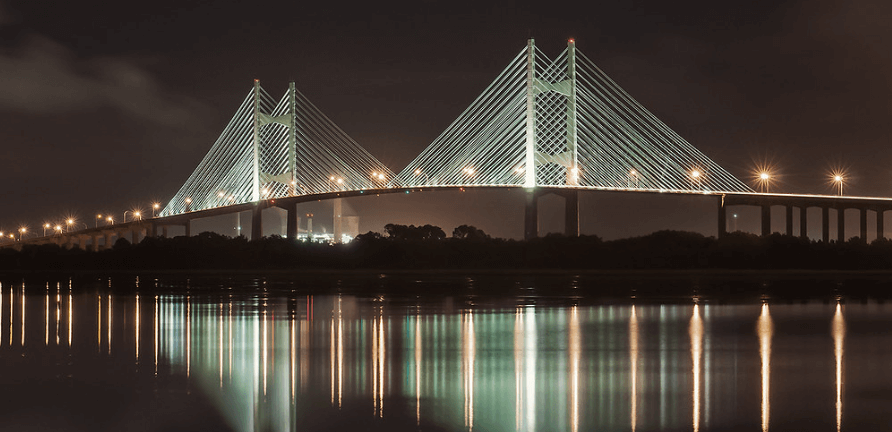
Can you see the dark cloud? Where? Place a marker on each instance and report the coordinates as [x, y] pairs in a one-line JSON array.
[[43, 77]]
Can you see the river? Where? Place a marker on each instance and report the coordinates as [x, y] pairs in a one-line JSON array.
[[252, 354]]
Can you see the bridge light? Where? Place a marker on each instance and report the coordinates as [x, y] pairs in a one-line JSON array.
[[340, 181], [695, 174], [417, 172], [518, 170], [188, 200]]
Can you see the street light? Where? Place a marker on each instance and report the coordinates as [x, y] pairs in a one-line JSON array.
[[98, 217], [59, 229], [110, 220], [633, 175], [695, 176], [22, 232], [839, 180], [764, 181], [45, 227], [68, 223], [155, 207]]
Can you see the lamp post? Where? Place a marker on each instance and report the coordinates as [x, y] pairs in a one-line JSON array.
[[188, 205], [764, 181], [45, 227], [839, 180], [155, 207], [695, 176], [98, 218], [68, 224], [110, 220], [22, 232]]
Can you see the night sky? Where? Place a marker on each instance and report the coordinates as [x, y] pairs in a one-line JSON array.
[[109, 105]]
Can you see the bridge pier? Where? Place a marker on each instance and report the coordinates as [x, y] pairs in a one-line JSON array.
[[803, 221], [840, 225], [256, 222], [825, 224], [164, 232], [880, 234], [571, 213], [292, 222], [188, 228], [722, 217], [134, 235], [766, 220], [789, 220], [531, 215], [862, 213]]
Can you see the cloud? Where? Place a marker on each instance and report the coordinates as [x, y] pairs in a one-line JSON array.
[[41, 76]]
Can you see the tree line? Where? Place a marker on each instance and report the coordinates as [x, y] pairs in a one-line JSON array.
[[468, 247]]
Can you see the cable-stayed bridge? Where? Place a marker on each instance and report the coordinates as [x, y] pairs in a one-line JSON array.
[[546, 125]]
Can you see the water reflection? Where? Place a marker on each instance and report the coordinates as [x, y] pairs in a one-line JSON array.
[[765, 330], [696, 332], [267, 361], [839, 332]]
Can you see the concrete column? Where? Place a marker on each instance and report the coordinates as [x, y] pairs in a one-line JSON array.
[[766, 220], [862, 213], [108, 239], [291, 222], [256, 222], [880, 222], [134, 235], [840, 224], [803, 221], [164, 232], [337, 205], [825, 224], [153, 230], [531, 215], [789, 220], [189, 228], [722, 217], [82, 242], [571, 213]]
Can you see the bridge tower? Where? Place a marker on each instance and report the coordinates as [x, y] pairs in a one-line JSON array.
[[535, 155]]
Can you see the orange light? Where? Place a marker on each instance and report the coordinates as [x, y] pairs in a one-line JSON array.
[[571, 40]]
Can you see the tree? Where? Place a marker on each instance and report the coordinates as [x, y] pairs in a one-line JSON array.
[[469, 232]]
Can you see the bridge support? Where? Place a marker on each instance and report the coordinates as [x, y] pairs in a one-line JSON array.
[[531, 215], [571, 213], [722, 217], [766, 220], [862, 213], [789, 220], [840, 225], [880, 234], [164, 232], [256, 222], [292, 222], [803, 221], [825, 224], [188, 227]]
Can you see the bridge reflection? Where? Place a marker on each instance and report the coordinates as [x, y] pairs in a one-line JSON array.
[[268, 360]]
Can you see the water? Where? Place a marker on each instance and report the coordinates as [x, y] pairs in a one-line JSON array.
[[114, 354]]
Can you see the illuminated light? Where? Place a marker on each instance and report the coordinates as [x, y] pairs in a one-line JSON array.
[[221, 194], [332, 178], [764, 176], [695, 173], [340, 181], [571, 40], [633, 172], [188, 200], [417, 171]]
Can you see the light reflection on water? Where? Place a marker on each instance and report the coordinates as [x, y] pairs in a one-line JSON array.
[[263, 358]]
